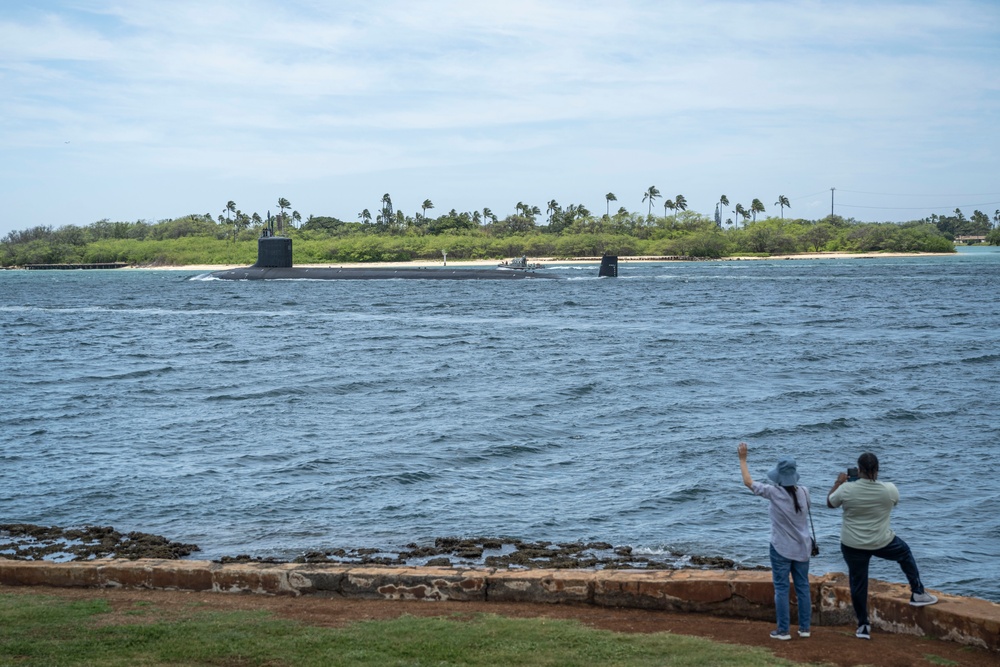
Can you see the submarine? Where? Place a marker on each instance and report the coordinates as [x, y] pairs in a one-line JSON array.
[[274, 262]]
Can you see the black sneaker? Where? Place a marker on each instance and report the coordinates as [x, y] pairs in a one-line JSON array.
[[864, 632]]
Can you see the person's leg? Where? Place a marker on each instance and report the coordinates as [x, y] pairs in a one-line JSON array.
[[800, 575], [779, 575], [857, 568], [899, 551]]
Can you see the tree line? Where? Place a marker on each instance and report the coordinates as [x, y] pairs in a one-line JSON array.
[[561, 231]]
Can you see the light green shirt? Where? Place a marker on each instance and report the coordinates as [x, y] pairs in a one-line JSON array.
[[867, 506]]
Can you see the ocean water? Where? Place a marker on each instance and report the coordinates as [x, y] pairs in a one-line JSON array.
[[275, 418]]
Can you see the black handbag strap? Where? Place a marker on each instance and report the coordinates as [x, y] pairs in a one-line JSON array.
[[811, 524]]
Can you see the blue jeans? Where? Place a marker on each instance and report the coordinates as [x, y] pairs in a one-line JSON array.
[[780, 568], [857, 566]]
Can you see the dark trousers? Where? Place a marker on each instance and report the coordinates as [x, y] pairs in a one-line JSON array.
[[857, 565]]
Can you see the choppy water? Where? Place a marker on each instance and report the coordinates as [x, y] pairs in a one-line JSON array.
[[276, 418]]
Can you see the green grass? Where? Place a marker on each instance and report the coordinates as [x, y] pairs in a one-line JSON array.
[[937, 660], [50, 631]]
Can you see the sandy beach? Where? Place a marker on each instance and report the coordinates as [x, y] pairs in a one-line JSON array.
[[483, 263]]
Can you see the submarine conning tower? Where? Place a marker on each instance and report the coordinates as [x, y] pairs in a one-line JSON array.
[[274, 252]]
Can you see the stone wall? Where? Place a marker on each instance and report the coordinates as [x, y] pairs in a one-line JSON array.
[[746, 594]]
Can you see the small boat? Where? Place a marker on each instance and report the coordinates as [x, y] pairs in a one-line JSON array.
[[519, 264]]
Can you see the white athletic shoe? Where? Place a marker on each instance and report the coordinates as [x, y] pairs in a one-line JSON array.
[[922, 599]]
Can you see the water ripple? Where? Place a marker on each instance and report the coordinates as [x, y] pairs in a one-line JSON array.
[[278, 418]]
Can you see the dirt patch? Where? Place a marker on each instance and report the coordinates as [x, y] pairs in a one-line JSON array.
[[827, 645]]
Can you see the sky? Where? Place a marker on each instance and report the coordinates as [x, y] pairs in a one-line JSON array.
[[140, 110]]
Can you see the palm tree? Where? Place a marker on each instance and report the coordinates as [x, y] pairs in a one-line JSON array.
[[282, 205], [297, 218], [719, 208], [551, 209], [426, 205], [385, 217], [756, 206], [668, 204], [365, 216], [782, 202], [651, 194], [680, 203], [741, 213], [610, 197], [488, 215], [231, 208], [241, 222]]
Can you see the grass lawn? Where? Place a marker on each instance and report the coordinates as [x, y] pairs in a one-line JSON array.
[[52, 631]]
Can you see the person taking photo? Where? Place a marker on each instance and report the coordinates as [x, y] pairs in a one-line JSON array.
[[865, 532]]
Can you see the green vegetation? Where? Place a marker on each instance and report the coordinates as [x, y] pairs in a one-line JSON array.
[[51, 631], [570, 231]]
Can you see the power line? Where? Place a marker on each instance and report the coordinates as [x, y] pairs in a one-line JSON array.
[[919, 208], [896, 194]]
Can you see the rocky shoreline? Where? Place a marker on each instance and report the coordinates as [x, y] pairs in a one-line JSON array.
[[52, 543]]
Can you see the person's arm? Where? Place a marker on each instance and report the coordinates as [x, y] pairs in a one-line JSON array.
[[741, 449], [841, 478]]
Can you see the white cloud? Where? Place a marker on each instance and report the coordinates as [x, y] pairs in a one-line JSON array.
[[714, 96]]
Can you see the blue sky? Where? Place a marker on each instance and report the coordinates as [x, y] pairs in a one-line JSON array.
[[132, 110]]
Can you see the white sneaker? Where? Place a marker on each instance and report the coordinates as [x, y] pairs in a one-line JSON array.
[[864, 632], [781, 636], [804, 634], [922, 599]]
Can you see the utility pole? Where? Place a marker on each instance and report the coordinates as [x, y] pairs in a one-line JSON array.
[[831, 201]]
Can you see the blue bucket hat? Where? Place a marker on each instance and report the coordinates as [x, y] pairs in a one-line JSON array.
[[785, 473]]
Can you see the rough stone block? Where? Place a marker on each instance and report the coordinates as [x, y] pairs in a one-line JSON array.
[[182, 575], [322, 579], [40, 573], [663, 589], [965, 620], [550, 586], [756, 588], [413, 584], [125, 574], [251, 578]]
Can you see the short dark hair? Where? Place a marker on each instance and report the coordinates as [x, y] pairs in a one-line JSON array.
[[868, 464]]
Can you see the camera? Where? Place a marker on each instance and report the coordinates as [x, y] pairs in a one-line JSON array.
[[852, 474]]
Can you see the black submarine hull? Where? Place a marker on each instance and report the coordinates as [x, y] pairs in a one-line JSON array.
[[407, 273], [274, 262]]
